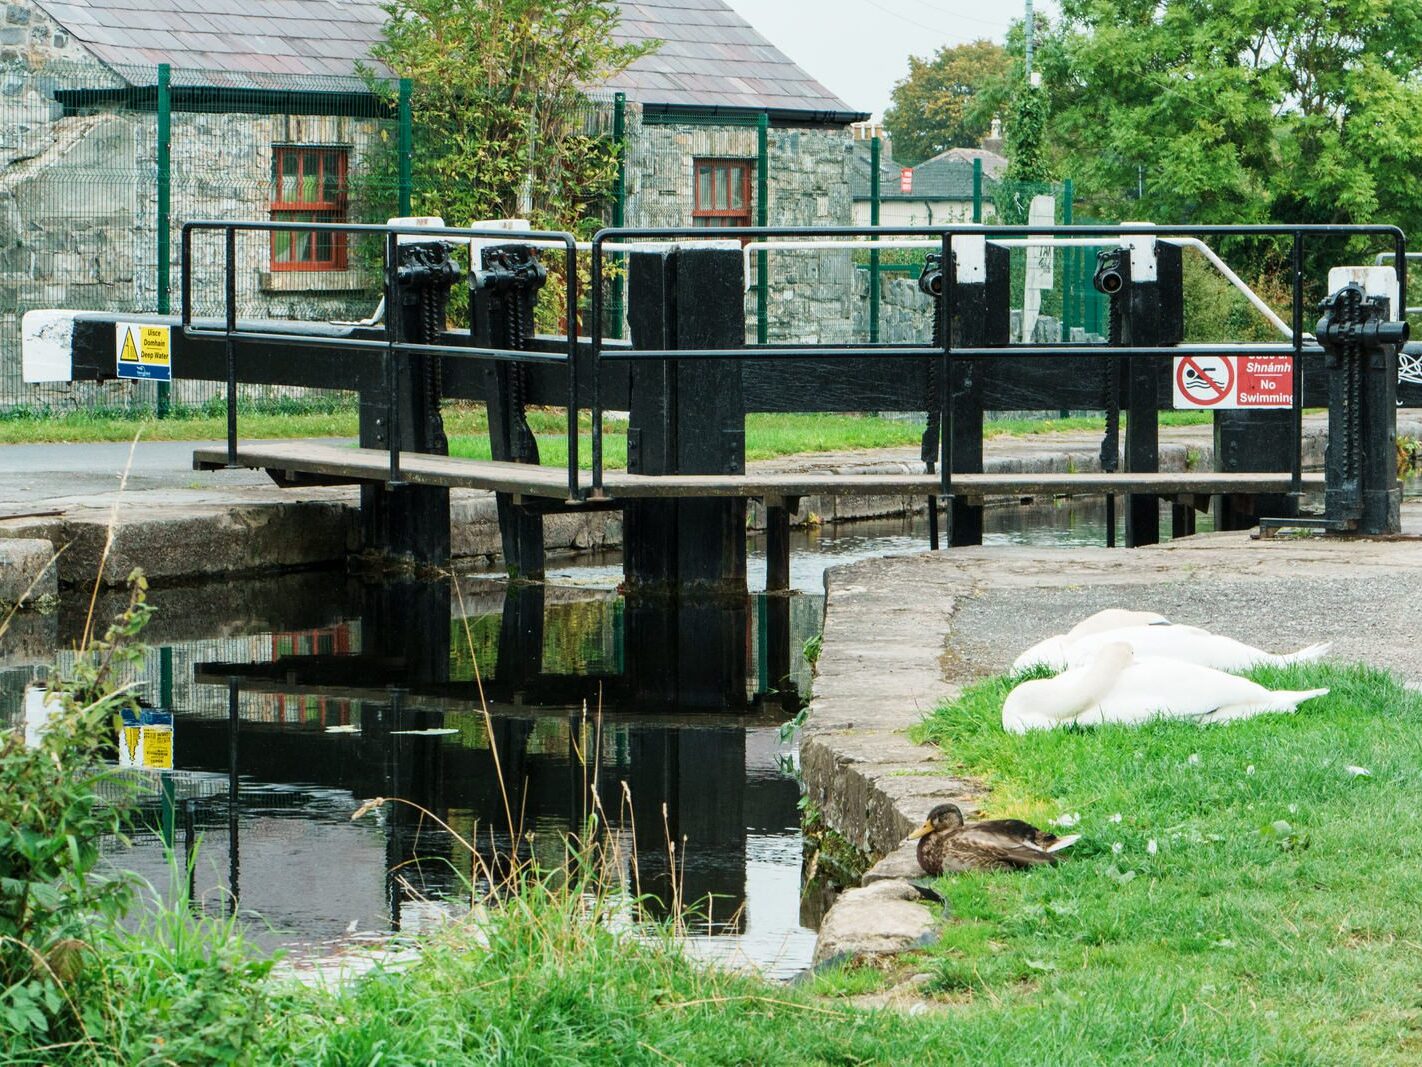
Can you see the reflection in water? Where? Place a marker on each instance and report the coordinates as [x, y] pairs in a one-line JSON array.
[[297, 698], [382, 700]]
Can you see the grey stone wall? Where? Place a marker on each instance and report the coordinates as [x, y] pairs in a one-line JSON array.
[[79, 205], [811, 295], [905, 314]]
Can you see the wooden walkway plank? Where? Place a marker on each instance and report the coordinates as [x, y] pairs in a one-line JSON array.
[[334, 462]]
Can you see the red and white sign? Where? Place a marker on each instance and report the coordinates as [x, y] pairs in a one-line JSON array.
[[906, 180], [1233, 382]]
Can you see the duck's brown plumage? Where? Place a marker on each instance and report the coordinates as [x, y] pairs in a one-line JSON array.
[[946, 844]]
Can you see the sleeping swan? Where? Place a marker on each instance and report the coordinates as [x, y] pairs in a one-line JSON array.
[[1117, 687], [1049, 651], [1188, 643]]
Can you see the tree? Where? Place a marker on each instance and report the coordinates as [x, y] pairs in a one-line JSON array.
[[948, 101], [1026, 130], [502, 124], [1193, 111]]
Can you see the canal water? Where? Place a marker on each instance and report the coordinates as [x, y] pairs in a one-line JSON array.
[[296, 699]]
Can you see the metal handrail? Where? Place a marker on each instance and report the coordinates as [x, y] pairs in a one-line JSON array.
[[392, 346], [942, 346]]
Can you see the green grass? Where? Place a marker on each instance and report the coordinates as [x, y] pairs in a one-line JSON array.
[[772, 436], [1278, 919], [767, 436]]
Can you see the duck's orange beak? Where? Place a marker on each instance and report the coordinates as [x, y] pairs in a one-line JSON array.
[[926, 828]]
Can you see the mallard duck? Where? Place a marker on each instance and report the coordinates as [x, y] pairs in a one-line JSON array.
[[946, 843], [1117, 687]]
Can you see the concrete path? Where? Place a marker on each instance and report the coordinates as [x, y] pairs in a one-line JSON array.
[[49, 476]]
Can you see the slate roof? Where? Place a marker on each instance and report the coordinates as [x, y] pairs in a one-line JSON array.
[[710, 56], [947, 176]]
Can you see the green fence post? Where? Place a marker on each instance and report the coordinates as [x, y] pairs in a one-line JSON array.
[[978, 190], [407, 149], [875, 150], [762, 217], [619, 204], [165, 197], [1069, 261], [167, 813], [1070, 258]]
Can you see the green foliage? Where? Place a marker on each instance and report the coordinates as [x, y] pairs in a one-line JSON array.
[[1026, 132], [1189, 111], [52, 821], [500, 117], [177, 988], [946, 102], [1216, 311], [814, 645]]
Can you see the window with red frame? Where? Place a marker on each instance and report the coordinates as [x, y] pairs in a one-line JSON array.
[[722, 192], [308, 185]]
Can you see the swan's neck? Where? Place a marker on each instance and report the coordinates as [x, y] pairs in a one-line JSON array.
[[1073, 691]]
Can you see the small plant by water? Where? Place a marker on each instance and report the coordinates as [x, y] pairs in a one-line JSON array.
[[52, 819]]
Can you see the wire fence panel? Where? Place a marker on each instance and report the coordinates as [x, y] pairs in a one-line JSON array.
[[72, 180]]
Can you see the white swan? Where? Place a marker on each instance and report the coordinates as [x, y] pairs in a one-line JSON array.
[[1114, 619], [1048, 652], [1117, 687], [1188, 643]]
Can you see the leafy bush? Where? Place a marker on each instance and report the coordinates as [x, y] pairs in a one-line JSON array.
[[52, 821]]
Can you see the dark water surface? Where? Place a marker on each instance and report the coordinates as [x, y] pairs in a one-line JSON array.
[[298, 698]]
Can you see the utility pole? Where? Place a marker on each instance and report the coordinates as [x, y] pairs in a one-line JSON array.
[[1029, 40]]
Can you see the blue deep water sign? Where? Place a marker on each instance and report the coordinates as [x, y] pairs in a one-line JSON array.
[[143, 351]]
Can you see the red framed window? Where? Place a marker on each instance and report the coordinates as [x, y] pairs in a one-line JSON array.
[[722, 192], [308, 185]]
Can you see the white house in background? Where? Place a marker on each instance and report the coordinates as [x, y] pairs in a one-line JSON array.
[[939, 189]]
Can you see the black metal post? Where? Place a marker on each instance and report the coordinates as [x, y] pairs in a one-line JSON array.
[[503, 290], [980, 279], [684, 560], [1152, 315], [231, 294], [402, 521]]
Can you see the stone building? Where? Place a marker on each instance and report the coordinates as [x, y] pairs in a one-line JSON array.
[[270, 121]]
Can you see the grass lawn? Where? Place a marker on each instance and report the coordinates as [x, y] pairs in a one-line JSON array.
[[1239, 893], [767, 436]]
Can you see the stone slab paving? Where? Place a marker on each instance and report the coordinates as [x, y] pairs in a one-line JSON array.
[[902, 634]]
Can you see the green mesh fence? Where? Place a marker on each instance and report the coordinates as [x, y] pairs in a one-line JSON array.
[[1065, 307], [81, 176]]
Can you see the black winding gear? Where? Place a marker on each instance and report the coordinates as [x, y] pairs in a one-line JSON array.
[[930, 283], [1351, 330], [426, 274], [1108, 279], [514, 276]]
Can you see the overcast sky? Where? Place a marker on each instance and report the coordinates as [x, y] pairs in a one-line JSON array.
[[859, 48]]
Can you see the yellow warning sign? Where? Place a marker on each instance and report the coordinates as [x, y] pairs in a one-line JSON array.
[[144, 351], [158, 748], [130, 744]]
